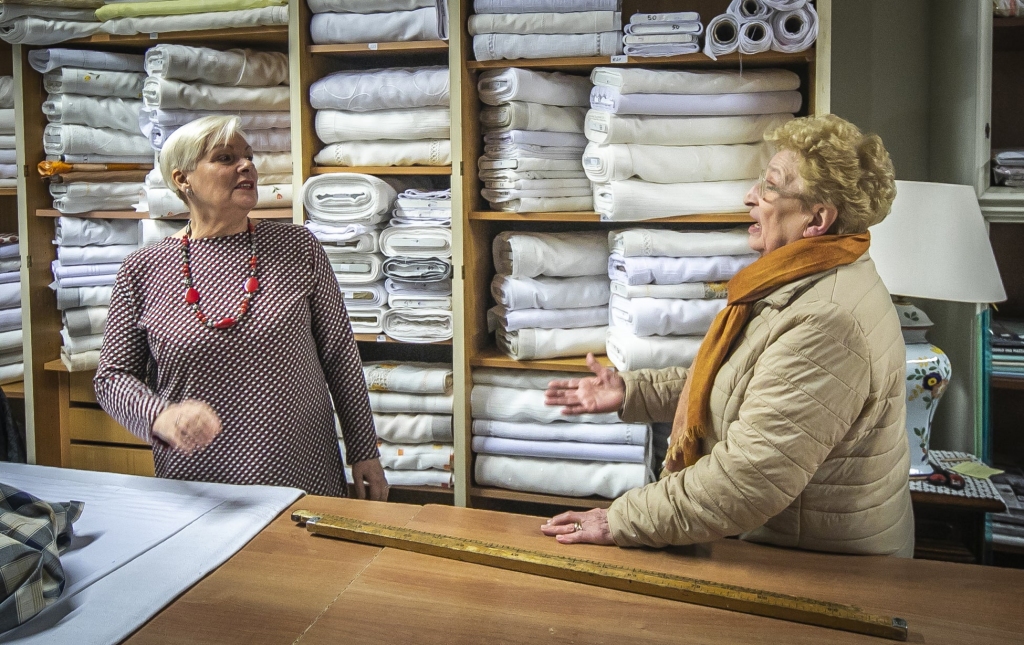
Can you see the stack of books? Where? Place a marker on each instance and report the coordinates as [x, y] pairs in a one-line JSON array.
[[1006, 339]]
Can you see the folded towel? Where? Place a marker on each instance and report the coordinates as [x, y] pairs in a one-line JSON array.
[[527, 254], [549, 293], [334, 126], [661, 317], [521, 115], [93, 111], [90, 82], [610, 99], [688, 290], [417, 242], [232, 67], [576, 22], [630, 434], [417, 457], [667, 270], [645, 242], [538, 344], [394, 26], [382, 89], [560, 450], [628, 352], [525, 406], [357, 268], [560, 476], [674, 164], [524, 85], [412, 378], [414, 428], [423, 152], [515, 46], [166, 94], [347, 198], [636, 200], [400, 403], [649, 81], [419, 325], [45, 60]]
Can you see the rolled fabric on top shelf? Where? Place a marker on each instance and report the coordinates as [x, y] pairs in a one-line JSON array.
[[160, 93], [234, 67], [548, 88]]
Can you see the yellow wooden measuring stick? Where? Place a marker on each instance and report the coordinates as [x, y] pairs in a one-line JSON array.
[[649, 583]]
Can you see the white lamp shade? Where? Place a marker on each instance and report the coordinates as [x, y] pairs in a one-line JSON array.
[[934, 244]]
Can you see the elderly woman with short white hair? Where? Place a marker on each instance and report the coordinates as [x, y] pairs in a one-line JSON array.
[[226, 343]]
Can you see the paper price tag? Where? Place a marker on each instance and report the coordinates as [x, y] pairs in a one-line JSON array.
[[154, 36], [620, 59], [381, 338], [371, 46]]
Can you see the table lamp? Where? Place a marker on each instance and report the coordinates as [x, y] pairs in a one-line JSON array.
[[934, 244]]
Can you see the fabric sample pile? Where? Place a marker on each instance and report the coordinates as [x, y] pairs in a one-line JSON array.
[[522, 444], [54, 21], [662, 34], [386, 117], [412, 412], [93, 112], [1008, 168], [755, 26], [12, 366], [667, 287], [89, 253], [8, 151], [552, 294], [511, 29], [533, 141], [666, 143], [377, 21]]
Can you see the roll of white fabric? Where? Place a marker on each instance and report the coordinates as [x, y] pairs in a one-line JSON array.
[[536, 138], [61, 139], [542, 6], [650, 81], [610, 99], [414, 428], [546, 205], [83, 198], [417, 242], [496, 196], [362, 6], [358, 268], [367, 295], [347, 198], [45, 60], [419, 302], [436, 478], [538, 344], [520, 115], [562, 255], [399, 403], [525, 406], [10, 12], [265, 120], [549, 293], [515, 84], [417, 457], [420, 270], [516, 46], [628, 352], [10, 295], [166, 94], [646, 242], [629, 434], [674, 164], [72, 255], [576, 22], [31, 30], [382, 89], [366, 320], [683, 27], [262, 17], [83, 297], [423, 152], [94, 112], [76, 231], [559, 476], [394, 26], [89, 157], [356, 238], [72, 80], [79, 344], [636, 200], [518, 319], [334, 126], [688, 290], [749, 10], [668, 270], [419, 325], [659, 317], [84, 321], [756, 36], [573, 450], [164, 202], [530, 164], [794, 30], [722, 37], [11, 340], [233, 67], [412, 378], [400, 287], [364, 243]]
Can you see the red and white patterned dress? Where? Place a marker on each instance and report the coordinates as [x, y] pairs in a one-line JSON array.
[[270, 378]]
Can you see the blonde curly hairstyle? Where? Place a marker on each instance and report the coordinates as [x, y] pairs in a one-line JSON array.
[[840, 166]]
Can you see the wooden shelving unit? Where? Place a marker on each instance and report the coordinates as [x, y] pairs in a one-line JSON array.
[[15, 390], [492, 357], [375, 49], [8, 192], [384, 170], [381, 338], [765, 59], [265, 213], [1007, 383], [713, 218]]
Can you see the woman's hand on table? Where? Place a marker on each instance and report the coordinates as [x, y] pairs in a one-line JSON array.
[[188, 426], [603, 392], [370, 483], [580, 528]]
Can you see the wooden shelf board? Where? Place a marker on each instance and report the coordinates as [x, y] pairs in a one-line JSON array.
[[55, 365], [381, 338], [265, 213], [538, 498], [1007, 383], [8, 192], [1007, 548], [15, 390], [492, 357], [356, 49], [999, 21], [435, 490], [384, 170], [713, 218], [690, 60], [262, 34], [977, 505]]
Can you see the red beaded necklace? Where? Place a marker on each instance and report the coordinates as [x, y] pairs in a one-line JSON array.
[[249, 287]]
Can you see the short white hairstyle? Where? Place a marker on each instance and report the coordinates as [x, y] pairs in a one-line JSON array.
[[193, 141]]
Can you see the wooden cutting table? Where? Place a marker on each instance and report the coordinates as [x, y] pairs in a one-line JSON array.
[[287, 586]]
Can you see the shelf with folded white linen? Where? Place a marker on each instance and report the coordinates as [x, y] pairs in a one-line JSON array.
[[4, 192], [1003, 204], [493, 357], [15, 390], [381, 338], [539, 498], [689, 60], [405, 47], [399, 493], [383, 170], [502, 216], [265, 213], [265, 34]]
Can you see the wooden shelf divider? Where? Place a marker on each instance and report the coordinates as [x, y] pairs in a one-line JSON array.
[[8, 192], [711, 218], [383, 170], [382, 338], [15, 390], [539, 498], [370, 49]]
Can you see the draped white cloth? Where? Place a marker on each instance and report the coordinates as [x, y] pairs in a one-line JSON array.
[[525, 85], [687, 290], [413, 378], [94, 112], [366, 320], [363, 6], [357, 269], [413, 325], [423, 152], [668, 270], [521, 115], [510, 321], [636, 200], [674, 164], [85, 197], [610, 99], [529, 254], [560, 476], [233, 67], [524, 406], [334, 126], [381, 89], [401, 403], [417, 242], [394, 26], [630, 434], [167, 94], [650, 81], [516, 46], [77, 231], [662, 317], [549, 293], [434, 456], [74, 80], [604, 127], [537, 344], [628, 352], [576, 22], [414, 428], [68, 298], [637, 242], [347, 198], [574, 450], [45, 60], [71, 255]]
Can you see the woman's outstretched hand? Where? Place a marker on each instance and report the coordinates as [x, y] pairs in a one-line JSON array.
[[603, 392], [188, 426], [580, 528]]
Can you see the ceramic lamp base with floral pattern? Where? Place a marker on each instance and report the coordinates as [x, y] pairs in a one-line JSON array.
[[928, 372]]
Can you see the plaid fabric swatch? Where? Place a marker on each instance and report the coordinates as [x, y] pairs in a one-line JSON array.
[[33, 533]]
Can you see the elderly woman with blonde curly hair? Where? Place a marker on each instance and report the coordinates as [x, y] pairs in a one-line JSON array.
[[788, 428]]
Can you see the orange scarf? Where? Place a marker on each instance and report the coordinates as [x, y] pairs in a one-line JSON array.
[[787, 264]]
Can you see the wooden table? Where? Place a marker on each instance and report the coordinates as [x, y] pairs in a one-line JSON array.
[[287, 586]]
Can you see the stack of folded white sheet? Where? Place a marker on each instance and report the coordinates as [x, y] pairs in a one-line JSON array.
[[384, 117], [533, 141], [343, 243], [1008, 168], [662, 34], [377, 21], [412, 412], [667, 287], [12, 366], [54, 21], [93, 111], [511, 29], [8, 151], [418, 246], [522, 444], [667, 143], [89, 253], [755, 26], [552, 294]]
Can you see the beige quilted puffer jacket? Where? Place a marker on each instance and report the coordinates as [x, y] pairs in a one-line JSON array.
[[808, 412]]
